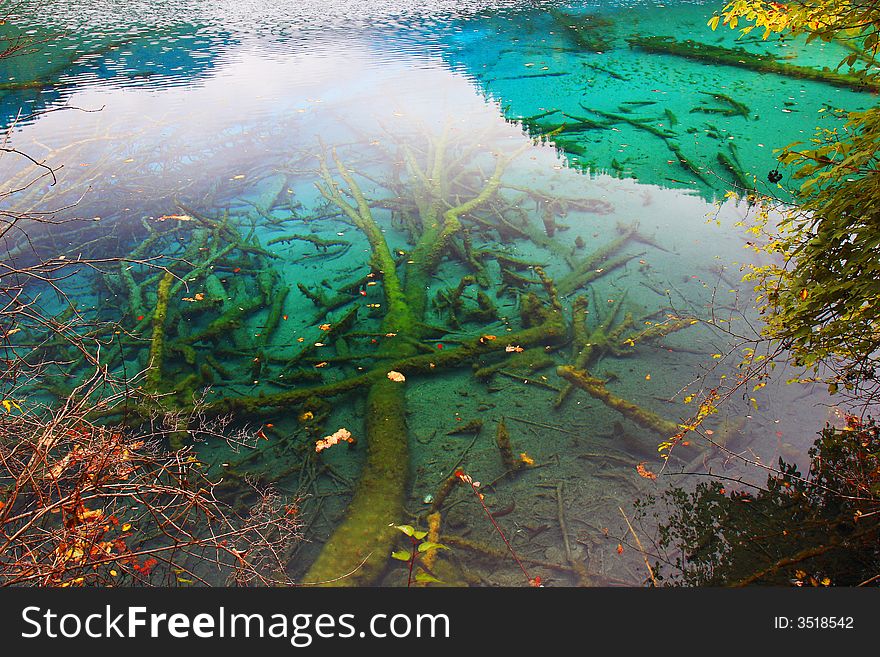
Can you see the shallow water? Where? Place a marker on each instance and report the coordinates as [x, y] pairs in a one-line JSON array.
[[197, 112]]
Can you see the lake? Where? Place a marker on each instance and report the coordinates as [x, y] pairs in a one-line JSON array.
[[401, 219]]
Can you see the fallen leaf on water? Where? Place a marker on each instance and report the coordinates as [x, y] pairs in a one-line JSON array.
[[644, 472], [510, 348], [340, 435], [396, 376], [619, 549], [324, 327], [322, 364]]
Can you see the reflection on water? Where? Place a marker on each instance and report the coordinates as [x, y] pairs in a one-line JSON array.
[[425, 245]]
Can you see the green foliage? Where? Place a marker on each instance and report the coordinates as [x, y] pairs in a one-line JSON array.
[[419, 548], [816, 530], [821, 298], [409, 530], [824, 302]]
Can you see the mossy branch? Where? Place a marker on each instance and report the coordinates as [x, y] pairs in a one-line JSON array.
[[596, 388], [157, 341]]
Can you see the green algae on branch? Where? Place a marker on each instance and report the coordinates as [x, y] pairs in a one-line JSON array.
[[596, 388], [157, 341], [741, 58], [588, 348]]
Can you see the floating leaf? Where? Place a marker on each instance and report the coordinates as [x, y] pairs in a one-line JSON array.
[[644, 472]]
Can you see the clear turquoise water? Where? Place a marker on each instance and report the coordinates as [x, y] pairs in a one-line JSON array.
[[222, 108]]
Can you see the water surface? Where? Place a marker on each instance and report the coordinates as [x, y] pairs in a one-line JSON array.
[[190, 115]]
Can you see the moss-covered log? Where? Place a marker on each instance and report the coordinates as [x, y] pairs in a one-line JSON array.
[[657, 331], [357, 552], [157, 340], [741, 58], [596, 388]]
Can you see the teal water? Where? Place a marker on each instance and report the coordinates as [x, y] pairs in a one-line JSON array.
[[196, 126]]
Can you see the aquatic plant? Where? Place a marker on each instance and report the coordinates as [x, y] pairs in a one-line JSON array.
[[422, 549]]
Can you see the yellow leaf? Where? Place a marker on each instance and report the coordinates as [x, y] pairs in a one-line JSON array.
[[713, 23]]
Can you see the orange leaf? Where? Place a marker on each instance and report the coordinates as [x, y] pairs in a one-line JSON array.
[[644, 472]]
